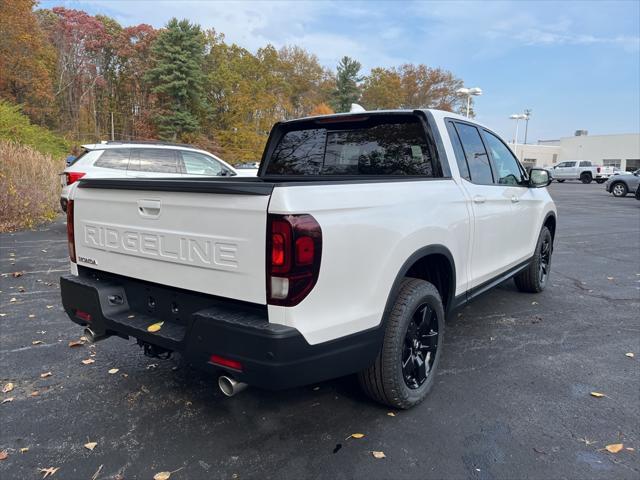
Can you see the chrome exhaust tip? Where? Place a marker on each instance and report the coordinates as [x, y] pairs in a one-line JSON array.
[[230, 387], [94, 337]]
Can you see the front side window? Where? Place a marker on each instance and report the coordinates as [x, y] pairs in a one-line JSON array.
[[507, 170], [475, 153], [569, 164], [372, 146], [117, 158], [157, 160], [199, 164]]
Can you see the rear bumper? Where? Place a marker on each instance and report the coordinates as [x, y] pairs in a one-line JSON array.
[[197, 326]]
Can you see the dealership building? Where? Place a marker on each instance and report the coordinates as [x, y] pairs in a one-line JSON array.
[[621, 151]]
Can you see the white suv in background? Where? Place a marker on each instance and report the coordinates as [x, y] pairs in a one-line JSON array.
[[144, 159]]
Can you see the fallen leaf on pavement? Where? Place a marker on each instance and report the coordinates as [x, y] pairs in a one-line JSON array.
[[391, 414], [597, 394], [37, 342], [32, 315], [378, 454], [609, 278], [3, 314], [357, 435], [131, 316], [162, 476], [76, 343], [534, 303], [630, 355], [49, 472], [154, 328], [614, 447], [24, 450], [88, 361], [90, 445], [45, 374], [3, 455], [35, 393], [114, 370], [7, 400], [7, 388], [21, 289], [13, 300], [630, 449], [17, 274]]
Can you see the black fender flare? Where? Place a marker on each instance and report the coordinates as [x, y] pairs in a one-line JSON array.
[[413, 258]]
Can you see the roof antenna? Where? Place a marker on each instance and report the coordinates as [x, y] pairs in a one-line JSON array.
[[355, 108]]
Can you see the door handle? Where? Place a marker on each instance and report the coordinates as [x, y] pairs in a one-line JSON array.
[[149, 208], [514, 199], [479, 199]]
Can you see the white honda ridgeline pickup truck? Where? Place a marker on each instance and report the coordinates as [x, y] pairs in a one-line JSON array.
[[359, 235]]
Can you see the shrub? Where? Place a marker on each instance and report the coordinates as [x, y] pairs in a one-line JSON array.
[[16, 127], [29, 186]]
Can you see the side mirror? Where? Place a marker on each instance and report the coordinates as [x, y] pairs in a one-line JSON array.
[[539, 177]]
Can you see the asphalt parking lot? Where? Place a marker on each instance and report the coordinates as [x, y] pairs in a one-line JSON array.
[[512, 398]]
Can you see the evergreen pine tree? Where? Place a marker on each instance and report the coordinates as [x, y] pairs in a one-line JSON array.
[[177, 78], [346, 91]]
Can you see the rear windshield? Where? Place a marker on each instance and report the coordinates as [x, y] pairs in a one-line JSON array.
[[384, 145]]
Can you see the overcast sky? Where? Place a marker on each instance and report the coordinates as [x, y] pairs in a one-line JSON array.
[[575, 64]]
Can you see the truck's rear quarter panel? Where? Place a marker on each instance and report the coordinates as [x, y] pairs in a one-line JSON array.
[[368, 231]]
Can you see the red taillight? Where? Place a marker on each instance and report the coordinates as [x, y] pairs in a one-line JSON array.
[[82, 315], [293, 258], [226, 362], [598, 169], [73, 177], [71, 240]]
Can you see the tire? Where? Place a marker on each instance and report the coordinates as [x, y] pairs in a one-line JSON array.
[[586, 178], [409, 341], [600, 180], [560, 181], [619, 189], [535, 277]]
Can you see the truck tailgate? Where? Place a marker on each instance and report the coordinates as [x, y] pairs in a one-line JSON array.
[[198, 239]]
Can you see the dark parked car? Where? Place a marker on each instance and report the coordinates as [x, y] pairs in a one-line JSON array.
[[620, 185]]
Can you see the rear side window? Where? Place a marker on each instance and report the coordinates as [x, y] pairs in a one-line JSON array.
[[395, 145], [117, 158], [157, 160], [475, 153], [457, 149], [199, 164], [585, 164]]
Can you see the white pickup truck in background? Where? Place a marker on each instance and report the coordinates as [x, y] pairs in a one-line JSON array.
[[582, 170], [345, 255]]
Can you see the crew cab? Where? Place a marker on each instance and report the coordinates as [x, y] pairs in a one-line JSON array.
[[582, 170], [346, 253]]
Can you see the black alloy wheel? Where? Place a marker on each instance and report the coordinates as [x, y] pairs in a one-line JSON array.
[[420, 346], [545, 260]]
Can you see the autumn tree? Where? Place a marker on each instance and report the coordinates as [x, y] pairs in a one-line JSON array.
[[426, 87], [382, 89], [321, 109], [26, 59], [177, 77], [347, 78]]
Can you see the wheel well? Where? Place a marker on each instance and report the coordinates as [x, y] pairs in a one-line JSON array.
[[436, 269], [586, 174], [550, 223]]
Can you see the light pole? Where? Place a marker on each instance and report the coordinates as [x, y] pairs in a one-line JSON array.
[[469, 92], [527, 112], [517, 117]]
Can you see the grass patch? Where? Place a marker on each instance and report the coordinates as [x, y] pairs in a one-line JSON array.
[[29, 186]]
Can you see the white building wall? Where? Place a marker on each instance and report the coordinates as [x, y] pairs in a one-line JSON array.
[[600, 149]]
